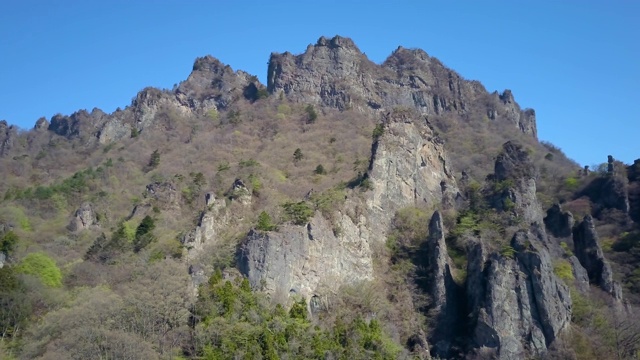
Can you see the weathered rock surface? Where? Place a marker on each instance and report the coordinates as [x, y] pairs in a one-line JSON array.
[[580, 275], [608, 192], [408, 168], [633, 174], [306, 260], [515, 174], [446, 295], [558, 222], [83, 218], [211, 222], [335, 73], [518, 306], [163, 194], [211, 85], [589, 252], [7, 136]]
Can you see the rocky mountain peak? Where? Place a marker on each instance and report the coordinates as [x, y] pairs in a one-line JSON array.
[[338, 42], [335, 73]]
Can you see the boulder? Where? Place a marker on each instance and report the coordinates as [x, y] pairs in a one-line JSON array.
[[83, 218]]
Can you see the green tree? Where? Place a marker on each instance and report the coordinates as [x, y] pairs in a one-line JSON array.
[[154, 161], [8, 242], [299, 213], [320, 170], [377, 131], [143, 235], [264, 222], [312, 115], [43, 267], [297, 155]]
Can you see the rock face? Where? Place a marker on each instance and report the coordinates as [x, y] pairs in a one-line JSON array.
[[589, 252], [515, 174], [335, 73], [609, 192], [7, 136], [163, 194], [83, 218], [559, 223], [211, 222], [445, 294], [517, 304], [211, 85], [633, 174], [306, 260], [408, 168]]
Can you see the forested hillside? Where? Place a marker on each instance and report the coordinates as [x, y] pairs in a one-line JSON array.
[[345, 209]]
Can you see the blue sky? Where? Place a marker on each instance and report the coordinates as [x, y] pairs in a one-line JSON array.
[[576, 62]]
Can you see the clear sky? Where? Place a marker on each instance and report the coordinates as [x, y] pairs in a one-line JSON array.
[[576, 62]]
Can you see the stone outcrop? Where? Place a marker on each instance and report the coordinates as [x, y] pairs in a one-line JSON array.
[[7, 136], [515, 176], [163, 194], [589, 252], [558, 222], [633, 175], [446, 295], [83, 218], [517, 305], [306, 260], [608, 192], [211, 85], [211, 222], [335, 73], [409, 167]]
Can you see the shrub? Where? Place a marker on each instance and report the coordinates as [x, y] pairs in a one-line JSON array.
[[8, 242], [154, 160], [312, 115], [563, 270], [264, 222], [320, 170], [377, 131], [224, 166], [508, 251], [297, 155], [43, 267], [299, 213]]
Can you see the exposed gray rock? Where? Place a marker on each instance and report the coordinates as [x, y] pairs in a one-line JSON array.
[[608, 192], [579, 274], [41, 124], [335, 73], [589, 252], [445, 294], [83, 218], [306, 260], [211, 222], [163, 194], [633, 175], [559, 223], [212, 85], [409, 167], [3, 259], [8, 134], [516, 173], [518, 306]]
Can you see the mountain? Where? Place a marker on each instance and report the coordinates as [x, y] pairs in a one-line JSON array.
[[344, 209]]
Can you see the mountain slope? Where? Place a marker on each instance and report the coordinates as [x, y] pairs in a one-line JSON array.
[[226, 199]]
